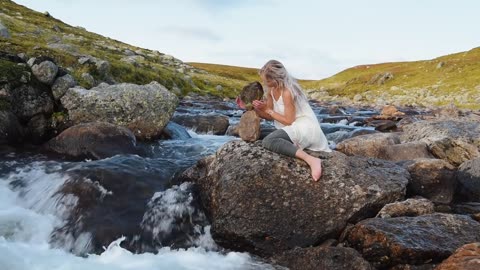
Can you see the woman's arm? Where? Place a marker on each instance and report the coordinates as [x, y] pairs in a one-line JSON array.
[[261, 111], [289, 114]]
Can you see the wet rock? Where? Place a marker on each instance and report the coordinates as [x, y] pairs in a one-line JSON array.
[[249, 126], [37, 129], [144, 109], [175, 131], [216, 124], [322, 258], [412, 240], [45, 72], [468, 178], [96, 140], [264, 203], [466, 257], [409, 208], [10, 128], [433, 179]]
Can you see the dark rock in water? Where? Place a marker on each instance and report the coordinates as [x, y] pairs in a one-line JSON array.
[[37, 129], [412, 240], [466, 257], [264, 203], [94, 140], [175, 131], [216, 124], [322, 258], [433, 179], [144, 109], [468, 178], [112, 202], [10, 128], [468, 208], [383, 125], [252, 91]]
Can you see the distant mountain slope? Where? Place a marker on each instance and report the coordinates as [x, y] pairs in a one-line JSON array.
[[453, 78], [33, 34]]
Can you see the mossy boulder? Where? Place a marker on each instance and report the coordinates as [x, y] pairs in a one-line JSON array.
[[144, 109]]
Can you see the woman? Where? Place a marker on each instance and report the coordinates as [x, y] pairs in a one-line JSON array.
[[296, 123]]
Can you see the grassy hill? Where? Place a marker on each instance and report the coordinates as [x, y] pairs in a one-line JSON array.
[[453, 78], [39, 34], [447, 79]]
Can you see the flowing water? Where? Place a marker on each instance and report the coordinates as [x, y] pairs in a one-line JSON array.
[[54, 213]]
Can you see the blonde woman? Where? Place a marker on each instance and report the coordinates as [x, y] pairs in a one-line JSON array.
[[296, 123]]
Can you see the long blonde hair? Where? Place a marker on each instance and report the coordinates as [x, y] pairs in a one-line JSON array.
[[276, 71]]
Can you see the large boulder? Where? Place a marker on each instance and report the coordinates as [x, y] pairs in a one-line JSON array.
[[263, 202], [412, 240], [468, 178], [214, 123], [433, 179], [322, 258], [94, 140], [61, 85], [144, 109], [455, 141]]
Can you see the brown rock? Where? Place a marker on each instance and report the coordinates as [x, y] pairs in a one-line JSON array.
[[216, 124], [465, 258], [412, 240], [322, 258], [94, 140], [410, 208], [406, 151], [370, 145], [249, 126], [390, 110]]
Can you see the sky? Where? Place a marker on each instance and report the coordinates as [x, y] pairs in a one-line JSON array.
[[313, 38]]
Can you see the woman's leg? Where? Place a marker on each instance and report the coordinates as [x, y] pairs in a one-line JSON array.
[[279, 142]]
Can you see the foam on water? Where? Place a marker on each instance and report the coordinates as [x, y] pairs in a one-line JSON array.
[[31, 208]]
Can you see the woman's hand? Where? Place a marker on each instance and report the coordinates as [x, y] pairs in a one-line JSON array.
[[260, 105]]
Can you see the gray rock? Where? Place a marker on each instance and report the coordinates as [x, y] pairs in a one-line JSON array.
[[4, 31], [88, 79], [45, 72], [31, 61], [369, 145], [144, 109], [468, 178], [61, 85], [412, 240], [30, 100], [264, 203], [103, 67], [128, 52]]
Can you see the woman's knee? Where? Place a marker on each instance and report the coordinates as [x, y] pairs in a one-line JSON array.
[[267, 142]]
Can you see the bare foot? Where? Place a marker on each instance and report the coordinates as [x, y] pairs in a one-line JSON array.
[[316, 167]]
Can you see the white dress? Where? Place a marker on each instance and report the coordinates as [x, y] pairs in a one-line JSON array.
[[305, 131]]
